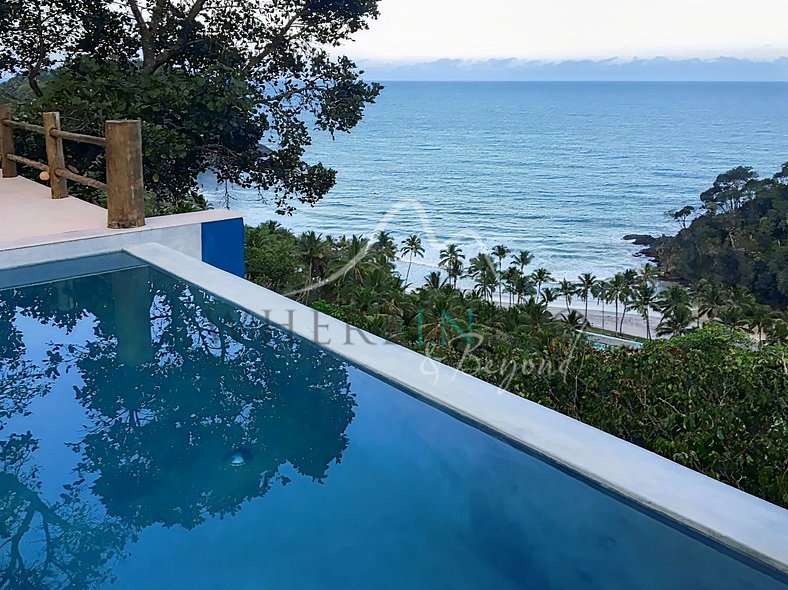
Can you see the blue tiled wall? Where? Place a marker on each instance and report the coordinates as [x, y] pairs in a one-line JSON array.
[[223, 245]]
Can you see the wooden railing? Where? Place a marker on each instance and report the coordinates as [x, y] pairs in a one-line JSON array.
[[123, 145]]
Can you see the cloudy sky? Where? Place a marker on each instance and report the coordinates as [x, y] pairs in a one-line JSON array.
[[417, 30]]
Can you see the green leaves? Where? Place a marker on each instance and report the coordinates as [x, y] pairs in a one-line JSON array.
[[235, 89], [740, 240]]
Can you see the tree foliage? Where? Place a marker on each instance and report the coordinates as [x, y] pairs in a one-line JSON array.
[[234, 87], [741, 239]]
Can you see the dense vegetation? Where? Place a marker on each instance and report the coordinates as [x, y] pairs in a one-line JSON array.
[[712, 397], [236, 87], [739, 239]]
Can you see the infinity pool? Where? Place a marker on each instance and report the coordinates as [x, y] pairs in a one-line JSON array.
[[153, 437]]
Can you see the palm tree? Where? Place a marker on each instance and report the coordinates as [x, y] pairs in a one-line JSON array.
[[541, 276], [672, 298], [454, 271], [511, 278], [549, 295], [733, 316], [438, 305], [574, 321], [480, 264], [534, 315], [740, 297], [451, 259], [272, 226], [313, 250], [644, 298], [600, 290], [759, 318], [631, 278], [385, 244], [675, 322], [522, 259], [411, 246], [708, 299], [617, 288], [483, 271], [586, 282], [433, 281], [500, 252], [566, 290], [674, 305], [649, 273], [524, 287]]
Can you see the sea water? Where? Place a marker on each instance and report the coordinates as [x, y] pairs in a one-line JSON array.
[[564, 170]]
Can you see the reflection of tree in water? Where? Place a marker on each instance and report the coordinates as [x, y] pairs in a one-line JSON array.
[[180, 389], [58, 545], [21, 381]]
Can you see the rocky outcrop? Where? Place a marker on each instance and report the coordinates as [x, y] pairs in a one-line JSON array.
[[640, 239]]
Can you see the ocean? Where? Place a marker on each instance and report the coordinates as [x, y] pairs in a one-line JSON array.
[[564, 170]]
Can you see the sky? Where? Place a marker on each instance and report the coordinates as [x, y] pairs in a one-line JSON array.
[[423, 30]]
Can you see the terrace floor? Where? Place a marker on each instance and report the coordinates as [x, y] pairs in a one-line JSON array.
[[27, 210]]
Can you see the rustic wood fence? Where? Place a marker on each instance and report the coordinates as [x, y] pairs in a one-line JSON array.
[[123, 156]]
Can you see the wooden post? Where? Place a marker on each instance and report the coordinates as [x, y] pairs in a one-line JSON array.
[[6, 143], [56, 159], [125, 189]]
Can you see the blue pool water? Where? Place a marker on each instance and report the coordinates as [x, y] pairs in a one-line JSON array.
[[152, 437], [562, 169]]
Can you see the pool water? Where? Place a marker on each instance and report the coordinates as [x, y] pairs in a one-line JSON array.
[[153, 437]]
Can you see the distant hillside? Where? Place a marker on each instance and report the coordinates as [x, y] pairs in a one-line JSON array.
[[657, 69], [740, 239]]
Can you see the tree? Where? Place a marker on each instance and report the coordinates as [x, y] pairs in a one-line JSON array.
[[740, 238], [549, 295], [600, 291], [482, 269], [617, 289], [487, 282], [313, 250], [522, 259], [729, 190], [235, 88], [451, 259], [682, 214], [644, 299], [566, 290], [541, 276], [675, 322], [433, 281], [384, 244], [500, 252], [524, 286], [411, 246], [586, 282], [574, 321], [649, 273], [759, 319], [672, 298]]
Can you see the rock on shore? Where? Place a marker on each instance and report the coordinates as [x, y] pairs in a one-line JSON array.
[[640, 239]]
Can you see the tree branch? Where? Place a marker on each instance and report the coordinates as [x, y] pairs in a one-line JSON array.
[[258, 59], [174, 50], [145, 36]]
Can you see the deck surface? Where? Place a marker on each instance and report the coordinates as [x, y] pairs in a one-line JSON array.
[[27, 211]]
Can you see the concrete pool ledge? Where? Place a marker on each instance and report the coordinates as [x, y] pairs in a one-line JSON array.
[[734, 518]]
